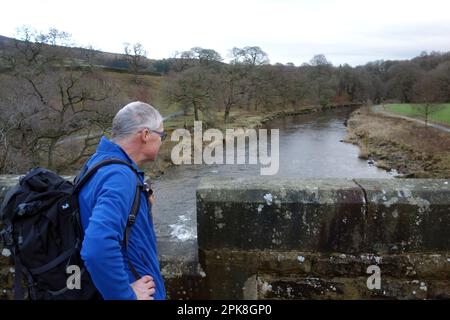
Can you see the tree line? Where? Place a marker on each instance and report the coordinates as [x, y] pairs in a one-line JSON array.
[[198, 79], [52, 94]]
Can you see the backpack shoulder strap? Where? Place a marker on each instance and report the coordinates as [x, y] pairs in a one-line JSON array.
[[80, 181], [131, 219]]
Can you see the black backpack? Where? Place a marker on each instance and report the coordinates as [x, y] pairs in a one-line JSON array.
[[42, 229]]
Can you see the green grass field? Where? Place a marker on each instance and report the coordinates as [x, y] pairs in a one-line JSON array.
[[441, 114]]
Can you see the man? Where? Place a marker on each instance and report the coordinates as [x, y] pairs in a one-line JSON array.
[[105, 203]]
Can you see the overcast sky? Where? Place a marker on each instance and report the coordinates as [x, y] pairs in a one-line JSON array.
[[345, 31]]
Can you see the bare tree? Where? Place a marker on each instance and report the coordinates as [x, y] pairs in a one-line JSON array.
[[230, 90], [319, 60], [136, 57], [206, 56], [427, 96], [194, 57], [191, 88], [56, 37], [323, 81], [181, 61], [249, 61], [49, 101], [254, 56]]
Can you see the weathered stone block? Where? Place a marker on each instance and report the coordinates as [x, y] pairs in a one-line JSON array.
[[407, 214], [280, 213]]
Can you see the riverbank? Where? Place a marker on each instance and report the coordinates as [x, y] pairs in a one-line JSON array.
[[239, 118], [392, 143]]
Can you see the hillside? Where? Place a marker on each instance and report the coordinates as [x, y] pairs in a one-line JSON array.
[[80, 56]]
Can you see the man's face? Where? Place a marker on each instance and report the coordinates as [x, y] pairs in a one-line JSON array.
[[152, 143]]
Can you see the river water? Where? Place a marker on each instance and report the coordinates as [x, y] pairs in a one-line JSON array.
[[310, 146]]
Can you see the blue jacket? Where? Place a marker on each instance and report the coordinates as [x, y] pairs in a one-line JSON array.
[[105, 202]]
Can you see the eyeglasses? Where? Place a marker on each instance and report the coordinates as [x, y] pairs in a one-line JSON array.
[[162, 134]]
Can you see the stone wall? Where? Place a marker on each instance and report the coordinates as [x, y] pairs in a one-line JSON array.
[[280, 238], [284, 238]]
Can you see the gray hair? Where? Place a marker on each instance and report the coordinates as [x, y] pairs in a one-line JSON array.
[[133, 117]]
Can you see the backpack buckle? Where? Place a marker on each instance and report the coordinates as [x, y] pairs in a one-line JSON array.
[[27, 207], [22, 209], [147, 189], [131, 218]]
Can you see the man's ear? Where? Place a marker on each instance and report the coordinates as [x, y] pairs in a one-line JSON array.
[[144, 135]]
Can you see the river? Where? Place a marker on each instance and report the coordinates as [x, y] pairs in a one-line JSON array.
[[310, 146]]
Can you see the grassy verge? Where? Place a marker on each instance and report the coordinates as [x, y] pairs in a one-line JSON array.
[[410, 148], [439, 113]]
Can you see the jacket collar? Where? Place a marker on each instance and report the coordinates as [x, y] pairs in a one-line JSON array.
[[109, 147]]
